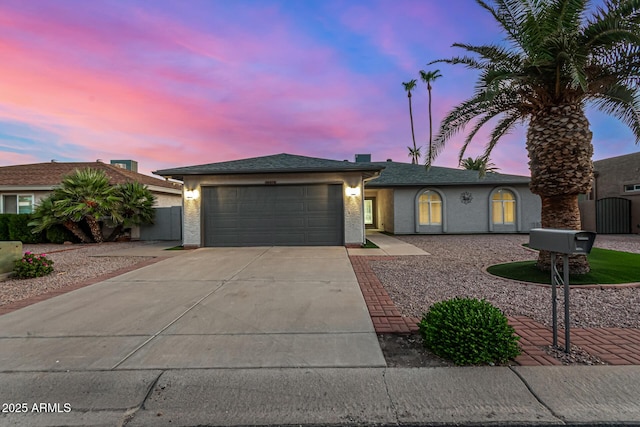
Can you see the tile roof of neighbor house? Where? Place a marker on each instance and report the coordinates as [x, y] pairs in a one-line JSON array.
[[50, 174], [397, 174], [278, 163]]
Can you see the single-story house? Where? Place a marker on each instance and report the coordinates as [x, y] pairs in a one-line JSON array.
[[286, 199], [23, 186], [408, 199]]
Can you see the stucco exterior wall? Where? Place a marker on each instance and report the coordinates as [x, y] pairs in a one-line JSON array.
[[612, 175], [384, 208], [168, 200], [459, 217], [353, 205]]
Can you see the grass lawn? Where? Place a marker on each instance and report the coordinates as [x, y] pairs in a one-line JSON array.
[[175, 248], [607, 267], [370, 245]]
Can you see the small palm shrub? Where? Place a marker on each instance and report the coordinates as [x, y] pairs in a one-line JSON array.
[[58, 234], [32, 265], [468, 331]]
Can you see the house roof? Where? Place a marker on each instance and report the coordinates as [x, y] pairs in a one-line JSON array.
[[405, 174], [50, 174], [278, 163]]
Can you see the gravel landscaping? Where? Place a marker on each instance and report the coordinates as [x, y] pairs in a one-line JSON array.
[[72, 264], [456, 268]]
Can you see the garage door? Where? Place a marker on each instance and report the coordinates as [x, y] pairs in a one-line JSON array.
[[281, 215]]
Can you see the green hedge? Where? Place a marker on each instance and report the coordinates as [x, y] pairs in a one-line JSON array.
[[4, 226], [59, 234], [15, 227], [20, 230]]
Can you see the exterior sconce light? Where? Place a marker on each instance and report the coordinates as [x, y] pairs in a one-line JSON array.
[[353, 191], [191, 194]]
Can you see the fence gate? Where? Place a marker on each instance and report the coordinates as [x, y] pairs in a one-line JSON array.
[[167, 225], [613, 216]]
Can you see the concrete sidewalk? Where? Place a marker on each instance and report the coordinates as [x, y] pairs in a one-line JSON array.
[[387, 246], [532, 396]]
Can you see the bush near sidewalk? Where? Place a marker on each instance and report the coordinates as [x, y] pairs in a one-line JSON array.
[[468, 331]]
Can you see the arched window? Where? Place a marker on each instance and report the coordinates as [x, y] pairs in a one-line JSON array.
[[504, 207], [430, 208]]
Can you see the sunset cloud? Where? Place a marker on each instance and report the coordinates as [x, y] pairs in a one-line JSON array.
[[171, 84]]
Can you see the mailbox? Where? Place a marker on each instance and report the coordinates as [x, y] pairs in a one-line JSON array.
[[562, 241]]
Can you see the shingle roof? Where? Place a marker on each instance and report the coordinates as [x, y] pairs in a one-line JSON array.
[[405, 174], [278, 163], [50, 174]]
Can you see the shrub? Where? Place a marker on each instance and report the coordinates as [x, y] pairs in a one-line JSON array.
[[58, 234], [468, 332], [19, 229], [4, 226], [32, 265]]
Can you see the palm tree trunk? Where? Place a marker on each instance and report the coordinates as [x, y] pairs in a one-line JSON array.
[[94, 226], [414, 160], [560, 151], [115, 233], [74, 228], [430, 159]]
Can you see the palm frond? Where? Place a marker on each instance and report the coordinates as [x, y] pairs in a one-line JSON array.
[[623, 103]]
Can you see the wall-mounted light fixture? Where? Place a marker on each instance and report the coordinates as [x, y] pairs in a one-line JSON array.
[[191, 194], [353, 191]]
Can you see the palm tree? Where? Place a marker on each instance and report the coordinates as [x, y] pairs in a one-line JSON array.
[[45, 216], [428, 78], [480, 164], [554, 62], [86, 195], [415, 152], [135, 207]]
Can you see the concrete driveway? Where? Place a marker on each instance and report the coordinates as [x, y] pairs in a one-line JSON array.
[[208, 308]]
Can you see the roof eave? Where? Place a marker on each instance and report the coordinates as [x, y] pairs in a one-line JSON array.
[[180, 174]]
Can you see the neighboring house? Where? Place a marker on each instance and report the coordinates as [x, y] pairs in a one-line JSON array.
[[23, 186], [295, 200], [613, 205]]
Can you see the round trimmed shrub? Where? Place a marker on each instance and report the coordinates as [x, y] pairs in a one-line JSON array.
[[469, 331]]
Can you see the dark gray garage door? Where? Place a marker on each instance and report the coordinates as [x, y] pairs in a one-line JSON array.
[[281, 215]]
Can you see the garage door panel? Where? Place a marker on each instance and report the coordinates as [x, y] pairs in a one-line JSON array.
[[322, 223], [273, 215], [289, 239], [321, 191], [282, 225], [289, 207], [288, 192]]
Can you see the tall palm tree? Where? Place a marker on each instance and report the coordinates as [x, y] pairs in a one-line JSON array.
[[556, 60], [428, 78], [415, 152], [480, 164]]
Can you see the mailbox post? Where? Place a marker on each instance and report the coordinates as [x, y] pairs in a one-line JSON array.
[[565, 243]]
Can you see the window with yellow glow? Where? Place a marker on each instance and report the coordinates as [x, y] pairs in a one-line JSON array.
[[504, 207], [430, 208]]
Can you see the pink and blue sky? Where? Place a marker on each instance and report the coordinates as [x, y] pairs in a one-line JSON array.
[[178, 83]]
